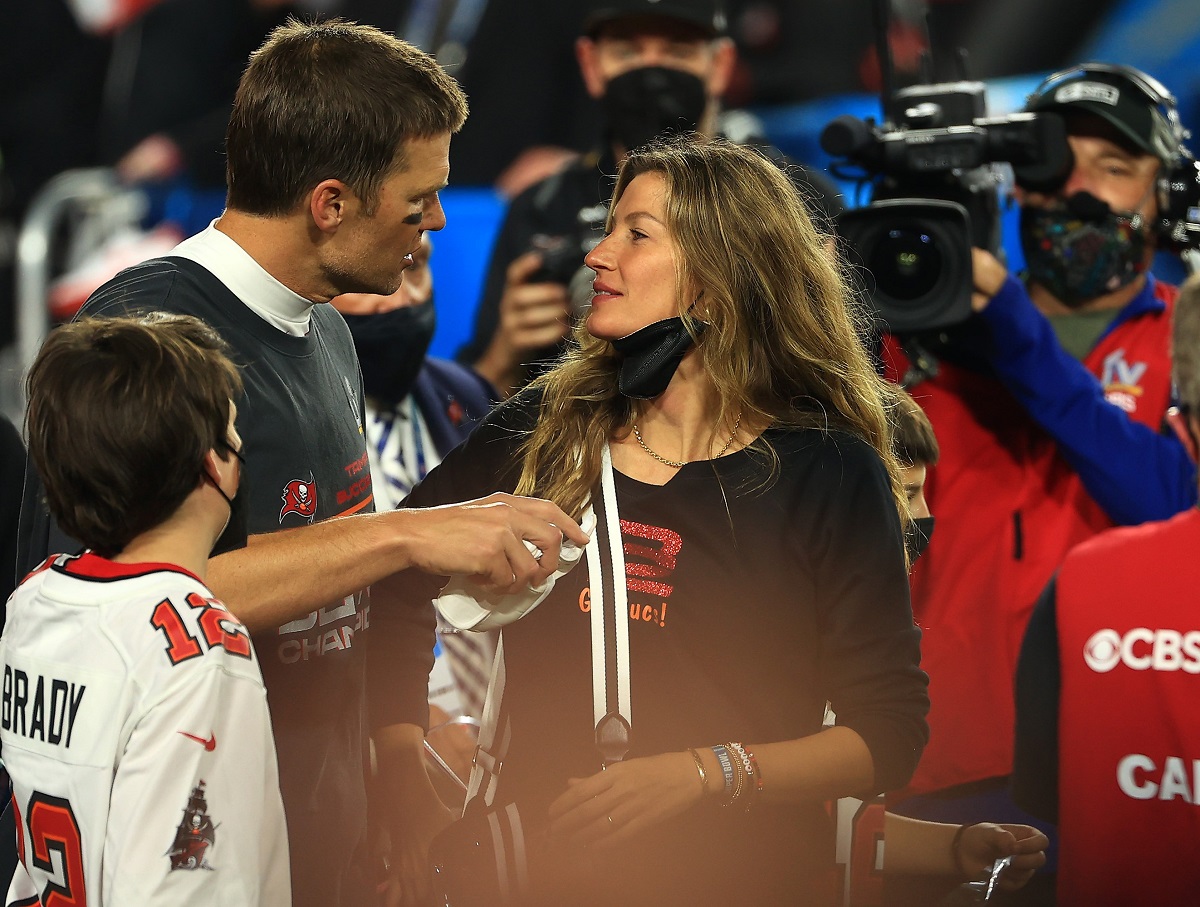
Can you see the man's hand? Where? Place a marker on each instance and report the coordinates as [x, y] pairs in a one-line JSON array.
[[988, 276], [410, 812], [533, 316], [485, 540], [408, 873]]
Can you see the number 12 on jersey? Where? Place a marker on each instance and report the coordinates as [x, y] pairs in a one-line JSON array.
[[218, 627]]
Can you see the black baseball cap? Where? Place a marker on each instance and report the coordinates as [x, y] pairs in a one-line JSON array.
[[706, 15], [1133, 103]]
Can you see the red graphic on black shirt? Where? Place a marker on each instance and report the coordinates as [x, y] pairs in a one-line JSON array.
[[196, 833], [299, 497], [648, 565], [650, 556]]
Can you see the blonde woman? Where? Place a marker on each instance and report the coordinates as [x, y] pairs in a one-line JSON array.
[[761, 516]]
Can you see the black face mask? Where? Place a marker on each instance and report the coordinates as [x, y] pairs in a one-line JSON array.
[[391, 348], [651, 356], [917, 536], [235, 533], [644, 103]]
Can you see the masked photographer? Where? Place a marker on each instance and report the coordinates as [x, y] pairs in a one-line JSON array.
[[655, 65], [1088, 246], [1050, 408]]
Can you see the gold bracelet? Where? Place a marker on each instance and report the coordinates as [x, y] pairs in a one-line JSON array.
[[703, 773], [746, 762], [739, 778]]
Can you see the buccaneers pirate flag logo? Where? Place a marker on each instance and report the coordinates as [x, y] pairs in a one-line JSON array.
[[299, 497]]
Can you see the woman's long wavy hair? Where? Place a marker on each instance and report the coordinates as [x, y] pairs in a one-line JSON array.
[[782, 345]]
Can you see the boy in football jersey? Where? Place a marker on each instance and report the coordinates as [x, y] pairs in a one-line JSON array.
[[134, 720]]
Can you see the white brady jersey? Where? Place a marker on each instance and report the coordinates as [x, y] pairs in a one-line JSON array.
[[135, 728]]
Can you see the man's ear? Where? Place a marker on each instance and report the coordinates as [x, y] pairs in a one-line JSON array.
[[588, 56], [1187, 430], [328, 203]]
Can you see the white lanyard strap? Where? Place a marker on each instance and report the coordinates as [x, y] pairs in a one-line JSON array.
[[490, 751], [596, 614], [609, 603]]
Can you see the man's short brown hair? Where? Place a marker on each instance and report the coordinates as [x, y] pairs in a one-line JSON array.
[[121, 414], [913, 439], [331, 100]]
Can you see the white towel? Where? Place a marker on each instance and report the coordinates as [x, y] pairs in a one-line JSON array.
[[467, 606]]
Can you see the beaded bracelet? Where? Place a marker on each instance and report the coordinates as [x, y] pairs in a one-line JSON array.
[[742, 755], [726, 766], [758, 778], [700, 769]]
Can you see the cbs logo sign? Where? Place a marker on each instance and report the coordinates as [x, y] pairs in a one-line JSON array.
[[1142, 649]]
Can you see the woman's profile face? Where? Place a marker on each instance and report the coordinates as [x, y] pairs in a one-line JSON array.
[[635, 281]]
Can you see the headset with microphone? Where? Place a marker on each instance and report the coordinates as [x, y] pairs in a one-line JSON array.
[[1121, 94]]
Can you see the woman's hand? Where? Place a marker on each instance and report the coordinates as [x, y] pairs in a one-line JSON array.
[[626, 798], [985, 842]]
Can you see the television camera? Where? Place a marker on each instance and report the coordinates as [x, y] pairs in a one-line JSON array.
[[935, 194], [935, 186]]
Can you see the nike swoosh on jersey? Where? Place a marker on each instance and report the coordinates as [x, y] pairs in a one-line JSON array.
[[210, 744]]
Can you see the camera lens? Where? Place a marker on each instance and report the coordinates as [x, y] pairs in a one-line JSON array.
[[912, 258], [906, 263]]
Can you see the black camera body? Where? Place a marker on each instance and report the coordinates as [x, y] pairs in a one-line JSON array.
[[562, 262], [561, 256], [935, 195]]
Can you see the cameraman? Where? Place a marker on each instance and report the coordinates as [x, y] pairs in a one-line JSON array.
[[1040, 452], [655, 66]]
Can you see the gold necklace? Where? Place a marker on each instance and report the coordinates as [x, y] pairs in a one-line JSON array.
[[674, 464]]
